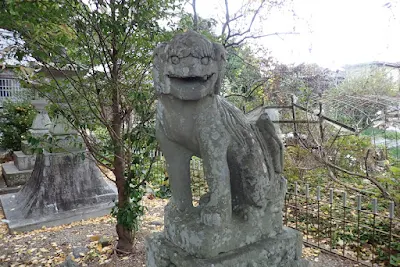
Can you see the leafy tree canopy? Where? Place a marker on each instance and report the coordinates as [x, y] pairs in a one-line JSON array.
[[97, 54]]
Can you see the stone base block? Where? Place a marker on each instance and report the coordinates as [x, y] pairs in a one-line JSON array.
[[189, 233], [23, 161], [7, 190], [283, 250], [186, 230], [17, 223], [13, 176], [63, 187]]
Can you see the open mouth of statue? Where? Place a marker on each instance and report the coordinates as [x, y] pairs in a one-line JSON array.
[[190, 82]]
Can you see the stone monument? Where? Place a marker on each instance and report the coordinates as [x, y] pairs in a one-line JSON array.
[[239, 221], [65, 186]]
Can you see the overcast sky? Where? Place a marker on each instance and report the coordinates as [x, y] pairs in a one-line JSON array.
[[332, 32]]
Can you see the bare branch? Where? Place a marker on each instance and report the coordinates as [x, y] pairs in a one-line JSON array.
[[195, 17], [336, 180], [226, 24], [230, 36], [237, 43]]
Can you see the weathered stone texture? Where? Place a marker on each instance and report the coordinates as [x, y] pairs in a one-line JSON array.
[[14, 177], [23, 161], [283, 250], [186, 230], [63, 187]]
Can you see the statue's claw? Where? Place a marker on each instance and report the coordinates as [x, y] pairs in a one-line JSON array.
[[214, 216], [209, 216]]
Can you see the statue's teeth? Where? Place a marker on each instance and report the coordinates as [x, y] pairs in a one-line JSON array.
[[205, 77]]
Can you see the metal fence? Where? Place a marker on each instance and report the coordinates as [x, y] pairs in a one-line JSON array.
[[351, 226]]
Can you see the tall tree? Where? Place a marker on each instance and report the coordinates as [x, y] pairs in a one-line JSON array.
[[98, 54]]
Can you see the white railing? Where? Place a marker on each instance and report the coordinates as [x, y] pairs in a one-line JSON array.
[[9, 89]]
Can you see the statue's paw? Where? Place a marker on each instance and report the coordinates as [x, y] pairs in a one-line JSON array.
[[174, 209], [212, 216]]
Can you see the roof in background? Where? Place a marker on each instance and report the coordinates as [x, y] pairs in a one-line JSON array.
[[7, 41]]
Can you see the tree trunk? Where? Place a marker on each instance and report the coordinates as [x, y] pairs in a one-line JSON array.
[[125, 239], [125, 236]]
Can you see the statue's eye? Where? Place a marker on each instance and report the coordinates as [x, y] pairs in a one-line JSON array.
[[205, 60], [175, 60]]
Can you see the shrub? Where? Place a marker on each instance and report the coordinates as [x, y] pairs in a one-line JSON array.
[[15, 120]]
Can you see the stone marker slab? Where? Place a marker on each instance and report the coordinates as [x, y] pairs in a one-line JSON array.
[[13, 176], [283, 250]]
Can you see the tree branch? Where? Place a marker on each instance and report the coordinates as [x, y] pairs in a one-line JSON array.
[[250, 26], [195, 17], [237, 43]]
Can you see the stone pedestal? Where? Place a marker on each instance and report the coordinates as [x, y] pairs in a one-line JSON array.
[[41, 123], [188, 232], [257, 240], [282, 250], [63, 187], [65, 138]]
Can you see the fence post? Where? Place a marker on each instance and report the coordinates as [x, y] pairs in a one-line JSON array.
[[391, 216], [318, 200], [294, 117], [374, 210], [321, 122], [397, 143], [358, 225], [286, 201], [295, 201], [330, 216], [307, 196], [344, 221]]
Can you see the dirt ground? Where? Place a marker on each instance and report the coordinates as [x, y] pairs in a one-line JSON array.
[[92, 242]]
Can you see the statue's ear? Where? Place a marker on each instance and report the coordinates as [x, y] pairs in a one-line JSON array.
[[220, 58], [159, 59], [160, 52]]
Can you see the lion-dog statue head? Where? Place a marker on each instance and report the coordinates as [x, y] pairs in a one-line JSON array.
[[189, 67]]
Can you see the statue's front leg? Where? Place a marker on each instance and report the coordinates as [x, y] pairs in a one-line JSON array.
[[213, 148], [178, 167]]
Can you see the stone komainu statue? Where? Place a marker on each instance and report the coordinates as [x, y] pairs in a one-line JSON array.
[[242, 157]]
